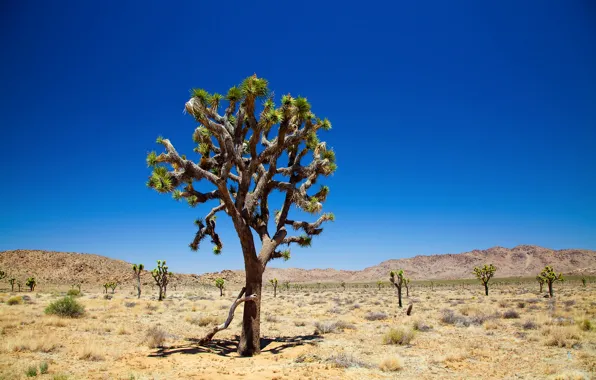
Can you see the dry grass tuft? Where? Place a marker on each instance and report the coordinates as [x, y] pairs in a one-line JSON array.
[[399, 336], [392, 364]]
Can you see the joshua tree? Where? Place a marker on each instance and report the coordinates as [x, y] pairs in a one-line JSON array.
[[161, 277], [137, 269], [379, 284], [76, 285], [2, 275], [274, 284], [286, 285], [397, 279], [343, 285], [31, 283], [484, 274], [239, 152], [11, 281], [219, 283], [19, 284], [105, 287], [584, 281], [407, 285], [549, 276], [540, 282], [113, 285]]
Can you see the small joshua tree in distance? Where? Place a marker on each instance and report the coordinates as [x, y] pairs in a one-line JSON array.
[[541, 282], [137, 269], [106, 286], [484, 274], [397, 279], [31, 283], [584, 281], [549, 276], [2, 275], [12, 281], [161, 277], [343, 285], [407, 285], [286, 285], [219, 283], [274, 284], [379, 284], [113, 285]]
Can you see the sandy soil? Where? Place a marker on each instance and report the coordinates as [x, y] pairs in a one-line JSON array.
[[480, 337]]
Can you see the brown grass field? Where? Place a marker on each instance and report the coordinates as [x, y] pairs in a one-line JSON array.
[[316, 332]]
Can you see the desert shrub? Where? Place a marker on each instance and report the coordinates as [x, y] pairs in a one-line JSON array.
[[31, 371], [392, 364], [521, 305], [375, 316], [399, 336], [66, 307], [130, 304], [74, 293], [529, 325], [299, 323], [569, 303], [421, 326], [585, 325], [335, 310], [561, 336], [343, 360], [16, 300], [43, 368], [503, 304], [510, 314], [155, 337], [60, 377], [449, 317], [331, 327], [271, 318], [206, 320]]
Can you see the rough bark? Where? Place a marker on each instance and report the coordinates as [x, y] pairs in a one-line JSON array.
[[486, 288], [550, 289], [250, 343], [226, 324]]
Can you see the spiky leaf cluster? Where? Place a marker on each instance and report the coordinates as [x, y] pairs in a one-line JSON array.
[[239, 153], [549, 275], [485, 273]]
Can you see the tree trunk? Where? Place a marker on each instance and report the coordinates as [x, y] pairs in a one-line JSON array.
[[274, 291], [486, 289], [221, 292], [541, 286], [550, 289], [408, 291], [399, 296], [250, 339], [139, 285]]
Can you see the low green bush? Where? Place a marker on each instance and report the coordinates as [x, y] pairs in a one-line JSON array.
[[66, 307]]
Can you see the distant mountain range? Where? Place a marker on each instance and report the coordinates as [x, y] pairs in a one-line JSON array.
[[524, 260]]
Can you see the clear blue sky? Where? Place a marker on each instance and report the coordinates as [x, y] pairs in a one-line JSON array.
[[457, 125]]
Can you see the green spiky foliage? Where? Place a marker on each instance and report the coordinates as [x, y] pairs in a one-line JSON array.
[[274, 284], [550, 277], [161, 277], [31, 283], [247, 147], [397, 279], [379, 284], [113, 285], [219, 284], [484, 274], [2, 275], [12, 281], [137, 270], [584, 282], [540, 281], [106, 286]]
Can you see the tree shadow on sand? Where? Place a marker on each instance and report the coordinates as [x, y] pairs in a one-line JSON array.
[[224, 347]]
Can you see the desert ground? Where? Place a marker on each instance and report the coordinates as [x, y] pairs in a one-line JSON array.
[[317, 331]]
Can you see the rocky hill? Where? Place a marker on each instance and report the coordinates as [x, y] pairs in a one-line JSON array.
[[523, 260]]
